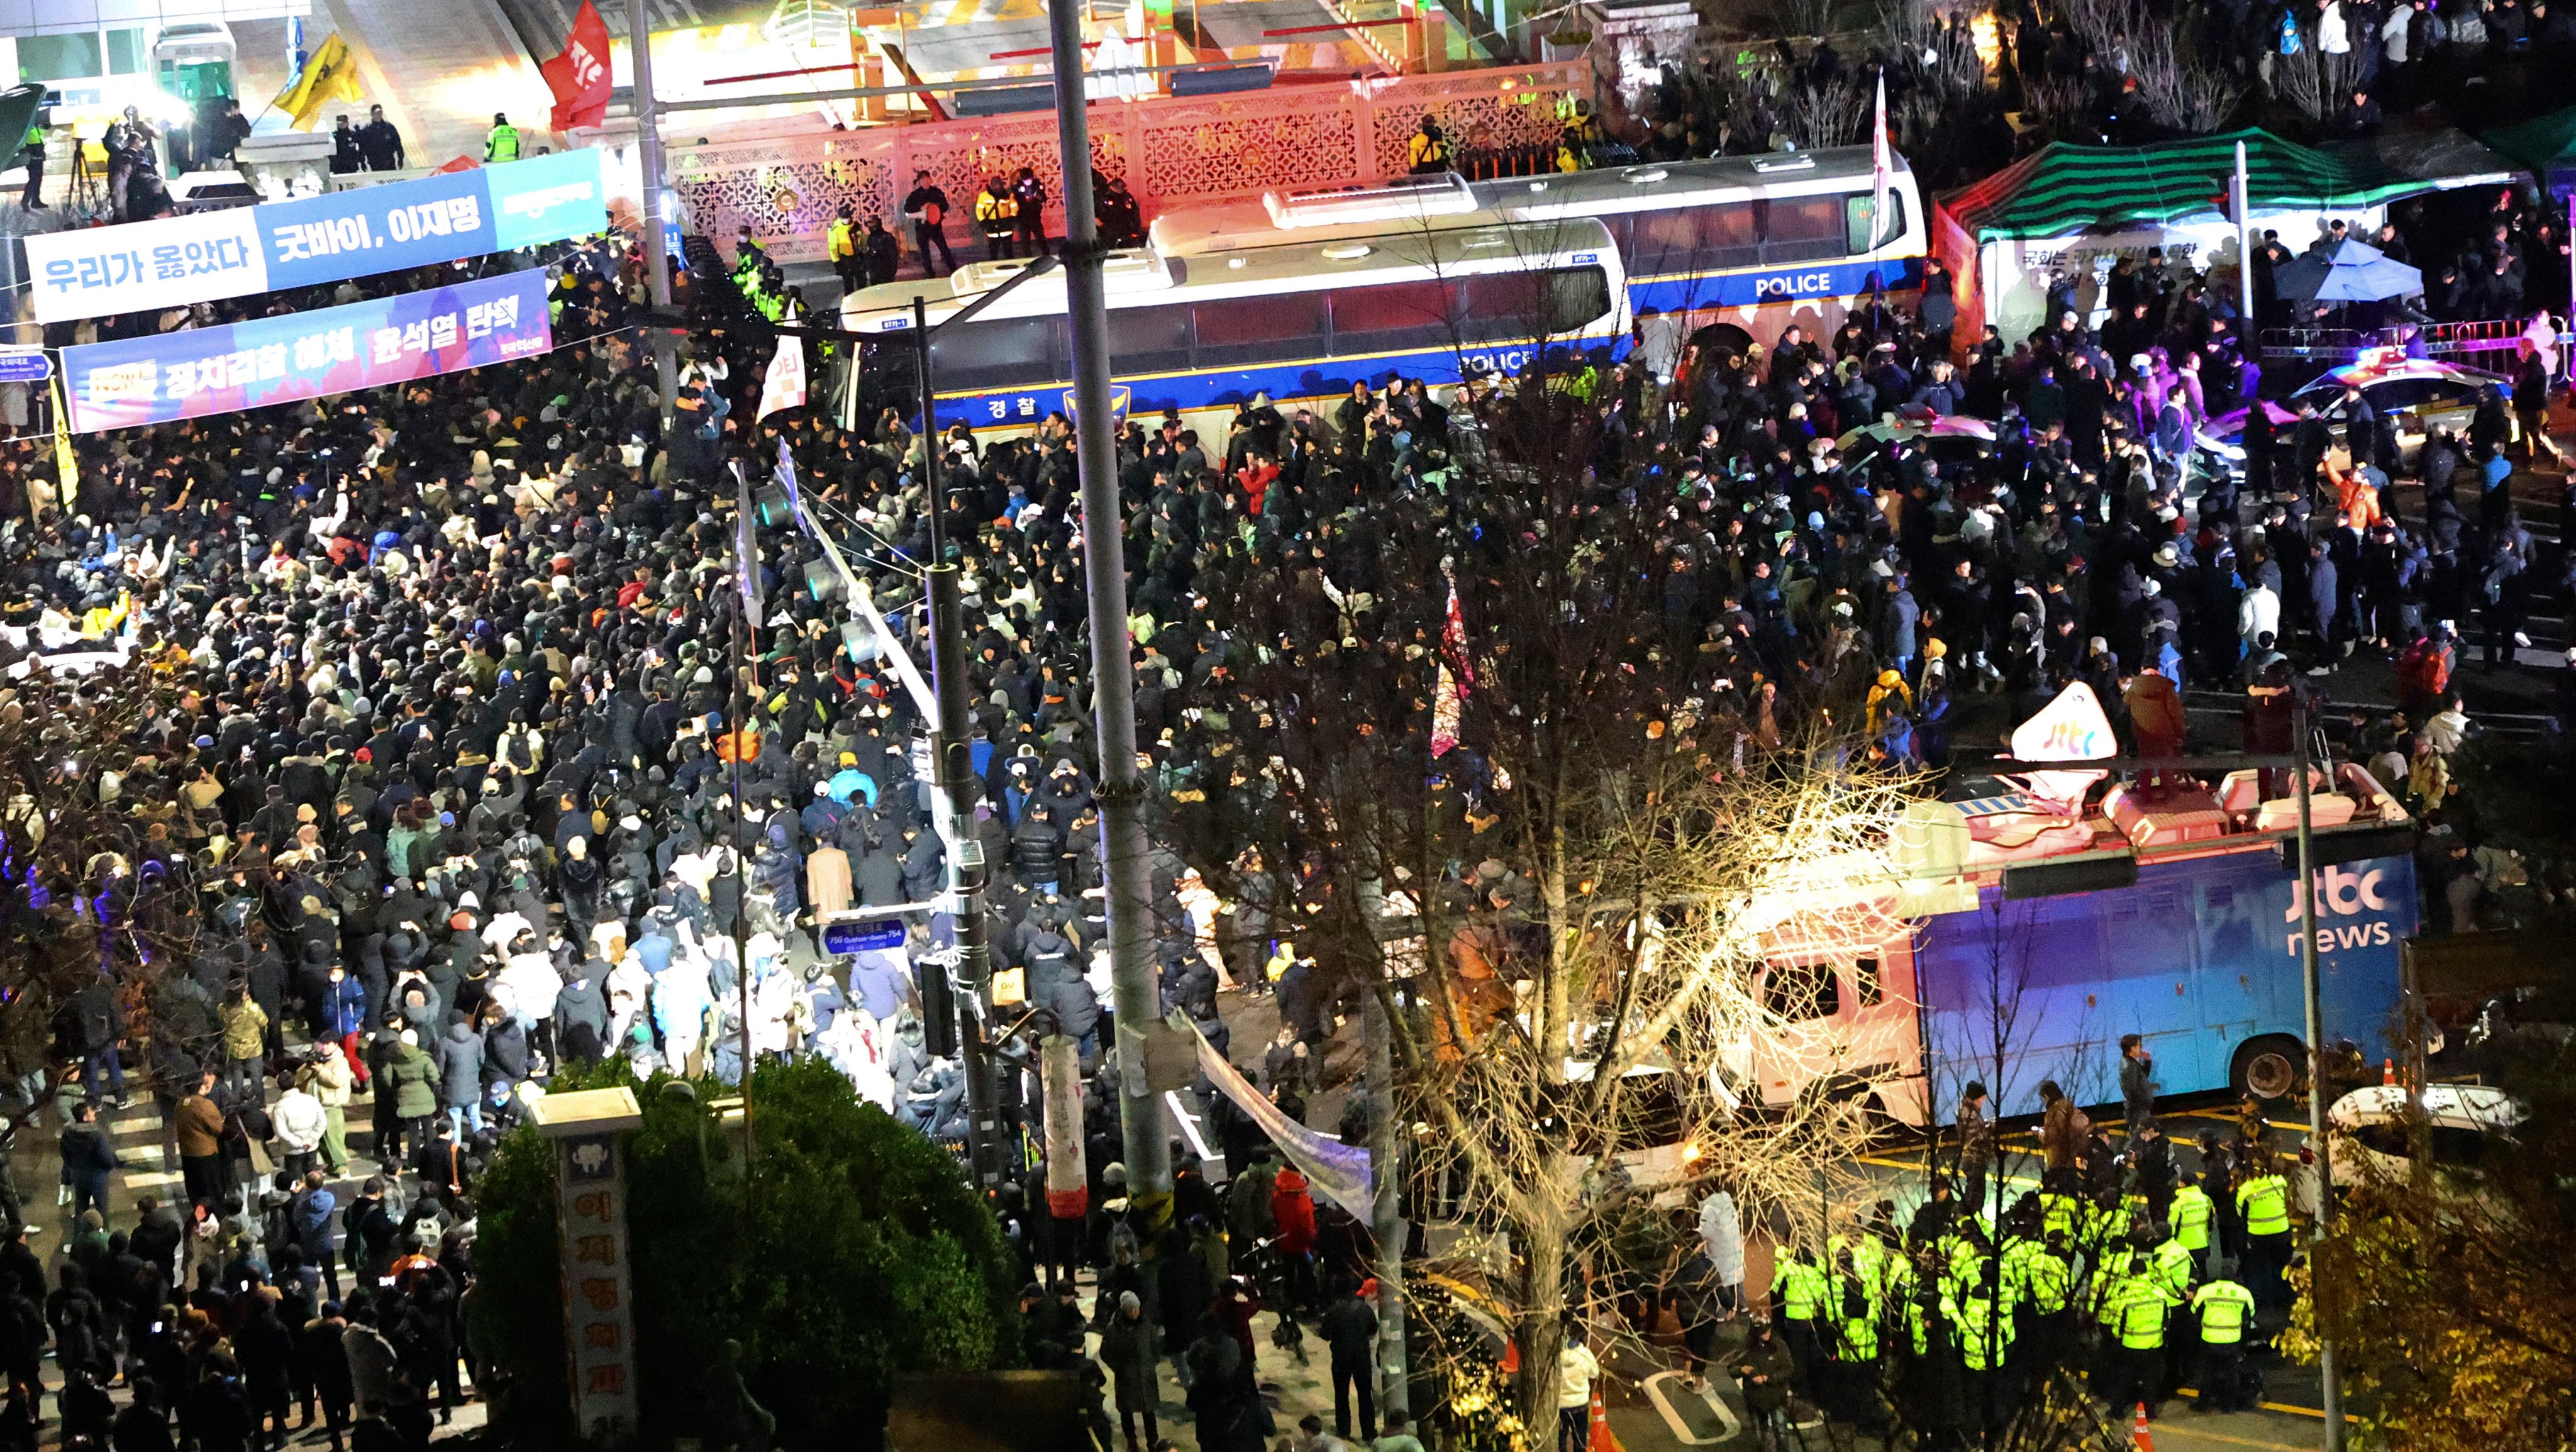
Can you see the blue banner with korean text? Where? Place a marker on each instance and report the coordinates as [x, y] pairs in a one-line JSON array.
[[309, 241], [314, 354]]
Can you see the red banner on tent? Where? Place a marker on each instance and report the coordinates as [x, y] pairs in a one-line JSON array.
[[579, 76]]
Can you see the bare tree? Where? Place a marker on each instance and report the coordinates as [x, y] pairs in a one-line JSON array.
[[1527, 784]]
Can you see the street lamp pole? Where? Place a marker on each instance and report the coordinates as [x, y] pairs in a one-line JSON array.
[[2317, 1142], [648, 156], [1104, 555]]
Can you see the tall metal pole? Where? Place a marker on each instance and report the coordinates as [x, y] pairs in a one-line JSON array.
[[952, 775], [1386, 1210], [1104, 555], [2240, 200], [648, 155], [2333, 1381]]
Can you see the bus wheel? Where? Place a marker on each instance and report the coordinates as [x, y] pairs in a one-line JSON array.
[[1724, 339], [2271, 1067]]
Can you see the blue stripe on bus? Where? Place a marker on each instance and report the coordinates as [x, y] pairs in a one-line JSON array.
[[1774, 285], [1226, 387], [1332, 378]]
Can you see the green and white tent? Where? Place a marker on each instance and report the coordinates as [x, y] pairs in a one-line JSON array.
[[2080, 208]]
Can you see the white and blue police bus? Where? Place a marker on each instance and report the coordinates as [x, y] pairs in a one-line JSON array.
[[1747, 245], [1299, 313]]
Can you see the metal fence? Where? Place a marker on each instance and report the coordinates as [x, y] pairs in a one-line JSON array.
[[788, 184]]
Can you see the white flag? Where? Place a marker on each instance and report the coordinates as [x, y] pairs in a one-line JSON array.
[[783, 386], [1882, 167]]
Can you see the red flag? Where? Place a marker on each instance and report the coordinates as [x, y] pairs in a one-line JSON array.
[[579, 76]]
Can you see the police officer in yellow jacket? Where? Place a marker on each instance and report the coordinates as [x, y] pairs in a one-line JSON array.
[[841, 246], [1428, 151], [996, 214], [2225, 1311], [1802, 1303], [501, 143], [2263, 1199], [2134, 1313]]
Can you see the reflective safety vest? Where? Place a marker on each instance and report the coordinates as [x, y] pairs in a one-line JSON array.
[[995, 212], [2223, 1307], [1427, 153], [2039, 1276], [838, 242], [2138, 1308], [2191, 1215], [1802, 1291], [2057, 1213], [502, 143], [2264, 1201], [2172, 1270], [1984, 1338], [1855, 1336]]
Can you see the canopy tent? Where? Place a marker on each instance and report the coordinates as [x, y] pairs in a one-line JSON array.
[[2547, 146], [2072, 211], [2350, 272], [2063, 188]]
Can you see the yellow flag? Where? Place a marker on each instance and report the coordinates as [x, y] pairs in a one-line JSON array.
[[66, 468], [330, 74]]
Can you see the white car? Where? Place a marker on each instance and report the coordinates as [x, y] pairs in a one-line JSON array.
[[2464, 1123]]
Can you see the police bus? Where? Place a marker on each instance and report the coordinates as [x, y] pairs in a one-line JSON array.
[[1743, 245], [1299, 315]]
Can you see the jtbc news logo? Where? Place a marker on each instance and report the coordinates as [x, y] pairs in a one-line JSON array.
[[2343, 893]]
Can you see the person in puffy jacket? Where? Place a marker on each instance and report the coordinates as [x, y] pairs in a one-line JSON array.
[[460, 1076], [1292, 1210]]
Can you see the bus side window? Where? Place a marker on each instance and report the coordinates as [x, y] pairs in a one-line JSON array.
[[1149, 340], [1856, 210], [1001, 353], [1727, 235], [1391, 316], [1801, 991], [1665, 242], [1517, 305], [1803, 229], [1865, 982], [1248, 329]]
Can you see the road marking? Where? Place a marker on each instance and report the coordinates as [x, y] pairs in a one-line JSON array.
[[1654, 1389], [2175, 1429], [2287, 1407]]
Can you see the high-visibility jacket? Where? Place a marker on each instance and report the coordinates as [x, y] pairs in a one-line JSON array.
[[1984, 1337], [2264, 1201], [2057, 1213], [2038, 1275], [1427, 153], [1855, 1331], [2172, 1269], [1802, 1291], [993, 212], [501, 143], [839, 241], [2191, 1215], [2138, 1313], [2224, 1308]]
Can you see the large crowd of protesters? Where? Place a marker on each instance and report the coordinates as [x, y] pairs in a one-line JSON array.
[[451, 797]]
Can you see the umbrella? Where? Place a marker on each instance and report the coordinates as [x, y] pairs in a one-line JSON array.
[[2350, 272]]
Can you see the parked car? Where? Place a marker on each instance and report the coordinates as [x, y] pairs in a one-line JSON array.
[[2417, 395], [2464, 1125]]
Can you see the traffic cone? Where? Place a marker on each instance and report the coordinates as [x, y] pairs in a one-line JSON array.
[[2388, 1071], [2142, 1435], [1603, 1440]]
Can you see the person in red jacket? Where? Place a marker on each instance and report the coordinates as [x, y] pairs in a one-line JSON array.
[[1292, 1209]]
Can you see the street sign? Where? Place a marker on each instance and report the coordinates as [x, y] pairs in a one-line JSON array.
[[20, 364], [862, 937]]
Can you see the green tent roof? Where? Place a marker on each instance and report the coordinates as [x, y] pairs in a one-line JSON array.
[[2062, 189], [2546, 145]]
